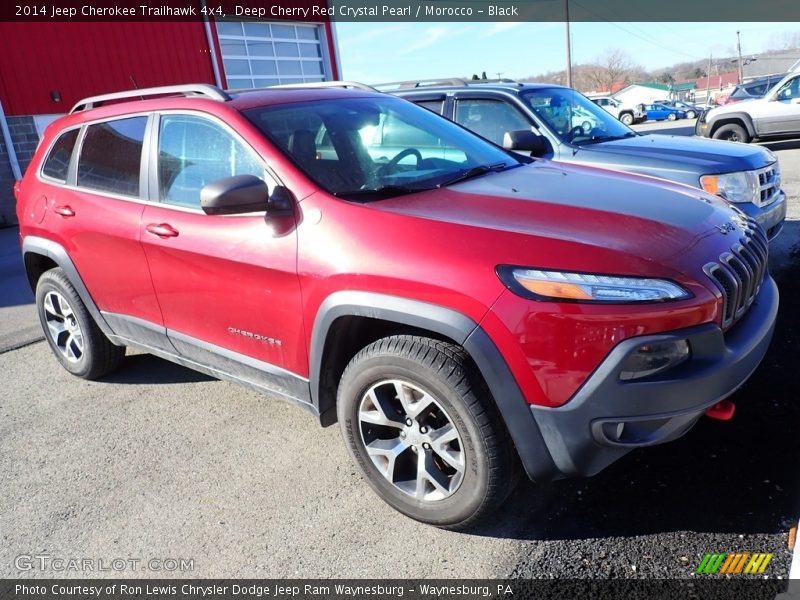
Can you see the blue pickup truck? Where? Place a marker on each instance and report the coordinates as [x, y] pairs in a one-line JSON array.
[[541, 120]]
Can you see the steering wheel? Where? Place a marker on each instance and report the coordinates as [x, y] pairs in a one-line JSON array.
[[575, 131], [391, 166]]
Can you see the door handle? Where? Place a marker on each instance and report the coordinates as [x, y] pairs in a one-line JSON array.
[[162, 230], [64, 211]]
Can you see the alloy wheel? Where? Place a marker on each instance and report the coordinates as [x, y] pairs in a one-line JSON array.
[[411, 440], [63, 326]]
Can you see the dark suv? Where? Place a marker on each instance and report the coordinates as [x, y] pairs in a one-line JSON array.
[[573, 129], [459, 309]]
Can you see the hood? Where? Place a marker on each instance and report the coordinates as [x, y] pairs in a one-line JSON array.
[[677, 158], [567, 205]]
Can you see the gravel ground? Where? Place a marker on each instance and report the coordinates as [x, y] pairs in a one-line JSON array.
[[160, 462]]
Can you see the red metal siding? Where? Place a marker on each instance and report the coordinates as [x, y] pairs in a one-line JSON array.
[[80, 59]]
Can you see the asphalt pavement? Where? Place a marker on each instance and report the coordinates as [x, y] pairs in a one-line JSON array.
[[159, 462]]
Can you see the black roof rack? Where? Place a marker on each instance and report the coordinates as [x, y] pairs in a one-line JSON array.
[[191, 89]]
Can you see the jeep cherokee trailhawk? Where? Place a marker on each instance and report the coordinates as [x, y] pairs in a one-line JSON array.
[[460, 310]]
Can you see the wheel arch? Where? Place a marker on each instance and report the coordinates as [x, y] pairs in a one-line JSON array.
[[41, 255], [733, 118], [338, 335]]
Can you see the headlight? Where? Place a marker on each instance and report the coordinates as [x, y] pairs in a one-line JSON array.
[[584, 287], [738, 187]]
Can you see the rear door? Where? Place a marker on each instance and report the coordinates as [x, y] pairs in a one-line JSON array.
[[95, 199], [227, 284]]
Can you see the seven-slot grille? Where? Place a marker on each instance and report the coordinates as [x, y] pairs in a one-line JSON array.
[[739, 273], [768, 184]]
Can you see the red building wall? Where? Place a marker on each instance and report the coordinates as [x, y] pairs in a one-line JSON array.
[[80, 59]]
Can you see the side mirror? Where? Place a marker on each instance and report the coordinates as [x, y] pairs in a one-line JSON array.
[[234, 195], [281, 203], [524, 140]]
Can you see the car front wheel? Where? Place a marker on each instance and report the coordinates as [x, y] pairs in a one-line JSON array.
[[671, 117], [422, 427], [626, 118], [73, 336], [732, 133]]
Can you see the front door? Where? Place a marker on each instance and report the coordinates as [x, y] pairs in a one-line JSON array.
[[227, 285]]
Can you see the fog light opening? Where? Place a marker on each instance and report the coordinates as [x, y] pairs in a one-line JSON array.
[[654, 357]]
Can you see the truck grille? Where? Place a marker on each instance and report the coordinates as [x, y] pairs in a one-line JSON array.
[[740, 272], [769, 181]]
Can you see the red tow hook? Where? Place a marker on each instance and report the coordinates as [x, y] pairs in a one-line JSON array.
[[722, 410]]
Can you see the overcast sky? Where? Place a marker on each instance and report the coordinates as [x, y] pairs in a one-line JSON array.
[[379, 52]]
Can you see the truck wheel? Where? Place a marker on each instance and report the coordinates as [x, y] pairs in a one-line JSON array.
[[74, 337], [422, 427], [626, 118], [732, 133]]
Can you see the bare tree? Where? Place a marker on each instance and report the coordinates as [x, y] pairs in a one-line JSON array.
[[614, 66]]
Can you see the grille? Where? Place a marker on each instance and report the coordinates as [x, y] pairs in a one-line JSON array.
[[739, 272], [769, 180]]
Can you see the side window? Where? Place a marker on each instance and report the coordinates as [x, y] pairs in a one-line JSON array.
[[111, 156], [435, 106], [790, 90], [57, 163], [490, 118], [193, 152]]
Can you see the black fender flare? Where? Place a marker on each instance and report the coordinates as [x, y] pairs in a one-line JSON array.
[[462, 330], [745, 119], [59, 255]]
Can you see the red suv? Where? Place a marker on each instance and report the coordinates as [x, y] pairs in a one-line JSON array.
[[460, 310]]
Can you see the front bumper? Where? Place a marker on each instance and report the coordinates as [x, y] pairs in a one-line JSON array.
[[770, 217], [607, 417]]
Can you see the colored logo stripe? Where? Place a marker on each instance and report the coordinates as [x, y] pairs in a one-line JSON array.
[[734, 563]]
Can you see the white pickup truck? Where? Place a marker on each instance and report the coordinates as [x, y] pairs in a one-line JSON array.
[[627, 114]]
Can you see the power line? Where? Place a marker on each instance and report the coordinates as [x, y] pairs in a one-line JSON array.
[[636, 35]]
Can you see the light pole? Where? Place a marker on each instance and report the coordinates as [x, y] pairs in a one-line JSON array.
[[739, 53], [569, 44]]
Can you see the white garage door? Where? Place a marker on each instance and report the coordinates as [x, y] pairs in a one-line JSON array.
[[263, 54]]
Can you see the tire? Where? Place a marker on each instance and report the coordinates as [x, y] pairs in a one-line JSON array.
[[74, 337], [671, 116], [732, 133], [691, 114], [448, 422], [626, 118]]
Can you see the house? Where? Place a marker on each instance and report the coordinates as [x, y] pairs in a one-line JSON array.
[[46, 67]]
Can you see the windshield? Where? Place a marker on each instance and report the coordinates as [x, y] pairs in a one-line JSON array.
[[573, 117], [376, 146]]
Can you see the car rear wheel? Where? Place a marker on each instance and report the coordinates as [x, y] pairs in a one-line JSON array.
[[422, 427], [73, 336], [732, 133], [626, 118]]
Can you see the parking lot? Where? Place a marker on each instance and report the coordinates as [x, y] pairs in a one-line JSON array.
[[157, 462]]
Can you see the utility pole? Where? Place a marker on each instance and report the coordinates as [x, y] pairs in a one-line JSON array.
[[569, 45], [739, 52], [708, 80]]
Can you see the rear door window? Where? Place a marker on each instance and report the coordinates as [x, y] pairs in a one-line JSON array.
[[111, 156], [57, 164]]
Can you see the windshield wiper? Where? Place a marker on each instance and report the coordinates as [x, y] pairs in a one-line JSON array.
[[474, 172], [382, 191], [609, 138]]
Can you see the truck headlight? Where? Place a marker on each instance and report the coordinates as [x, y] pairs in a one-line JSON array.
[[740, 187], [562, 286]]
